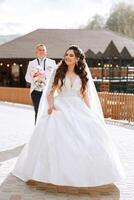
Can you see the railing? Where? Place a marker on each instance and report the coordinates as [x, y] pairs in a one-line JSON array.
[[112, 72], [15, 95], [118, 106]]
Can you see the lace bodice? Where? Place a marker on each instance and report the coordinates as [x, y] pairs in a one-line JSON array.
[[71, 87]]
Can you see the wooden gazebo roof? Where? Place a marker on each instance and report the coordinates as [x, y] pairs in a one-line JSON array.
[[99, 55], [58, 40], [125, 54], [111, 51], [90, 54]]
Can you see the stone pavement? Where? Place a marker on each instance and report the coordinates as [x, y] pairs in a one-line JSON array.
[[14, 189]]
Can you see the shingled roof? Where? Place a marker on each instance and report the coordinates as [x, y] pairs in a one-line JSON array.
[[125, 54], [90, 54], [111, 51], [58, 40]]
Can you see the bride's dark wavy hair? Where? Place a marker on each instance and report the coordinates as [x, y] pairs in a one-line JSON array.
[[79, 69]]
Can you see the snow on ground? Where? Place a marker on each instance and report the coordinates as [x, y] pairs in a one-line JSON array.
[[16, 124]]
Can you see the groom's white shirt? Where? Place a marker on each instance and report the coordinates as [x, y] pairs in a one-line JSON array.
[[50, 65]]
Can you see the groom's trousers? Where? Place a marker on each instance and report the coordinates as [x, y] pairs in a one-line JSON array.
[[36, 96]]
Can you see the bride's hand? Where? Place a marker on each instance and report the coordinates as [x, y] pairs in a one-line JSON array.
[[50, 109]]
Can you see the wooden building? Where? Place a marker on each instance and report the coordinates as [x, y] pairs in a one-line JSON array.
[[110, 56]]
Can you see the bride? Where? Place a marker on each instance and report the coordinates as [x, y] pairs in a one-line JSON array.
[[70, 144]]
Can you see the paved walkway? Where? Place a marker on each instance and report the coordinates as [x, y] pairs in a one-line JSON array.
[[14, 189]]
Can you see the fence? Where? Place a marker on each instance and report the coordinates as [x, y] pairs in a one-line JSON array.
[[15, 95], [118, 106]]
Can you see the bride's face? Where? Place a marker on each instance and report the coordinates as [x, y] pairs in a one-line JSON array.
[[70, 58]]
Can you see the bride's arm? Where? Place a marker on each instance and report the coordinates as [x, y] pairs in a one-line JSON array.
[[86, 99], [50, 100]]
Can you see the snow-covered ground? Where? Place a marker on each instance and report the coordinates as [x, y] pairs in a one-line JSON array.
[[16, 124]]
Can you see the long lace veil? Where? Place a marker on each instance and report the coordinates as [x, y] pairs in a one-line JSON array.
[[43, 106], [93, 96]]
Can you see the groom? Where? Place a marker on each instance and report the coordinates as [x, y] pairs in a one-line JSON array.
[[37, 74]]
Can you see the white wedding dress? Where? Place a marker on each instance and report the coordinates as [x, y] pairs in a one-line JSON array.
[[71, 146]]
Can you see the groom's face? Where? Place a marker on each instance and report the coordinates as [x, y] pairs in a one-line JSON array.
[[41, 52]]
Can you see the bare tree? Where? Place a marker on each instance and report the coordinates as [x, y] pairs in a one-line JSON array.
[[121, 19], [97, 22]]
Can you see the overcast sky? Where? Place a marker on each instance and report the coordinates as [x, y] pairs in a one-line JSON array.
[[22, 16]]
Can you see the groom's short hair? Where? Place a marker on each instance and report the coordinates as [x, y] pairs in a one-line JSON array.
[[41, 45]]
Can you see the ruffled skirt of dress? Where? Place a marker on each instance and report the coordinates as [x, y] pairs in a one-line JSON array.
[[70, 147]]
